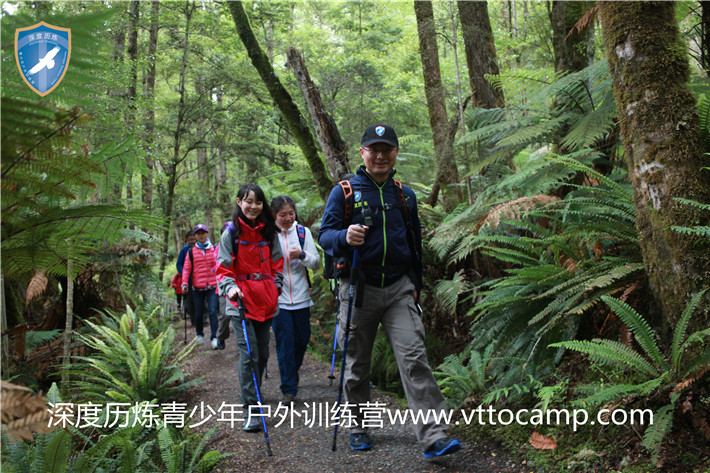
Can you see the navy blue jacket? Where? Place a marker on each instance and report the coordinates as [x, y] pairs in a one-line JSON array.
[[181, 259], [385, 255]]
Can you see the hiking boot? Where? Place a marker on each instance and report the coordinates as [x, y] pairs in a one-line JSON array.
[[198, 340], [215, 344], [360, 441], [288, 398], [443, 446], [220, 344], [252, 424]]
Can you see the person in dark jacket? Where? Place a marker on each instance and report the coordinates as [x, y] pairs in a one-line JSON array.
[[384, 227], [190, 240]]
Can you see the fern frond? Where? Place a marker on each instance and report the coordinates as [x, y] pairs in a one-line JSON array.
[[609, 352], [638, 325], [448, 292], [617, 391], [655, 433], [680, 328]]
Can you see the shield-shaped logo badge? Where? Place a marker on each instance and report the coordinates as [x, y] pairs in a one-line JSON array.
[[380, 130], [42, 52], [357, 196]]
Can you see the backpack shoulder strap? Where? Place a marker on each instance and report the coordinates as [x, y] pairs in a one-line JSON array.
[[234, 234], [301, 231], [402, 202], [347, 189]]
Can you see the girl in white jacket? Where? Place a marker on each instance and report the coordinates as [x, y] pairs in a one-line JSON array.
[[292, 324]]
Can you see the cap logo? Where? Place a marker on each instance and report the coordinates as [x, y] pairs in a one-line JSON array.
[[380, 130]]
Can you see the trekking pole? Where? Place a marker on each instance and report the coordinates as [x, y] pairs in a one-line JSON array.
[[331, 377], [253, 375], [351, 294]]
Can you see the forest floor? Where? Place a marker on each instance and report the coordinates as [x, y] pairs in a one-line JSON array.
[[302, 442]]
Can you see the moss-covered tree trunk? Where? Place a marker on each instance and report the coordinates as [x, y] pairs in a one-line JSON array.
[[659, 124], [296, 122], [446, 171], [481, 55]]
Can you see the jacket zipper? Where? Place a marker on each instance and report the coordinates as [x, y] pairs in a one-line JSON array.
[[290, 282], [384, 234], [384, 224]]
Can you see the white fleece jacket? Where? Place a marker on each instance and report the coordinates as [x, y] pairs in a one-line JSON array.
[[294, 293]]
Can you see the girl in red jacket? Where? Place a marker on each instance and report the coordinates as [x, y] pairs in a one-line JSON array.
[[250, 269]]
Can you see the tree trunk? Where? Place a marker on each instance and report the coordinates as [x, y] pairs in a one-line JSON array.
[[68, 327], [5, 341], [446, 172], [172, 165], [705, 37], [573, 50], [119, 45], [459, 96], [223, 199], [117, 91], [132, 51], [333, 146], [147, 177], [659, 124], [480, 53], [292, 115], [203, 170], [132, 90]]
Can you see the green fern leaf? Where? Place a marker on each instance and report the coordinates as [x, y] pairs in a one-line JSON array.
[[655, 433], [642, 331], [680, 328]]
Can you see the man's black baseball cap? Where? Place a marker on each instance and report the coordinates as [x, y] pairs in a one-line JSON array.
[[380, 133]]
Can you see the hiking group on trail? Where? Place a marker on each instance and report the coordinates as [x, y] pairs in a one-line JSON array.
[[371, 236]]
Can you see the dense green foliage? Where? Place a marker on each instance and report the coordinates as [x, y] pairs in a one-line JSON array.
[[131, 360]]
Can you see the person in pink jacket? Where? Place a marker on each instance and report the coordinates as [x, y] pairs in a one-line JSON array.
[[199, 272]]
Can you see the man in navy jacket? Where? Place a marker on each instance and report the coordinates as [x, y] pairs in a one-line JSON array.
[[190, 240], [383, 225]]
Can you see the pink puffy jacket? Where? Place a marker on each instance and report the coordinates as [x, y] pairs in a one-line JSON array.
[[203, 275]]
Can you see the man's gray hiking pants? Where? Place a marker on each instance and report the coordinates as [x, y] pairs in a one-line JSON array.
[[393, 307]]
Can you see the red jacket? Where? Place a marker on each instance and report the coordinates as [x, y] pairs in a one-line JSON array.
[[253, 256], [177, 283], [203, 274]]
